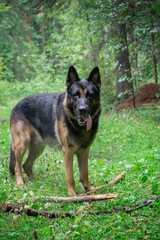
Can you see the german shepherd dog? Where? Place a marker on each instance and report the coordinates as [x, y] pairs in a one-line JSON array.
[[69, 119]]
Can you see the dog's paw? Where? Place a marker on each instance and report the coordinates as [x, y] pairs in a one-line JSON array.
[[20, 183], [72, 192], [88, 188]]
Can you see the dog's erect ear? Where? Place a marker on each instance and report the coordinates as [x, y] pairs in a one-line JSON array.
[[72, 76], [95, 77]]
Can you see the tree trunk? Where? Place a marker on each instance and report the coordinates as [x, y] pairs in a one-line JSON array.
[[28, 32], [154, 59], [124, 86], [94, 58]]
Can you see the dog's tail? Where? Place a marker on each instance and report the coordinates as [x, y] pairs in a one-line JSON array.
[[12, 163]]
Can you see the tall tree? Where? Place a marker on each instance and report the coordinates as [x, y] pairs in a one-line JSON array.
[[146, 32], [117, 12], [124, 85]]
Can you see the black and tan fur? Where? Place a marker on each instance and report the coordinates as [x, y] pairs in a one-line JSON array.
[[68, 119]]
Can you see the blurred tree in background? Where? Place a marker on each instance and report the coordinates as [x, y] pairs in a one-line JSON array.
[[39, 40]]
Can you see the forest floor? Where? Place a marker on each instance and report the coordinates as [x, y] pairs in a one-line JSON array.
[[149, 93], [126, 140]]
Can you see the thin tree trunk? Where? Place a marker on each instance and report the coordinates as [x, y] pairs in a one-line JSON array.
[[94, 58], [154, 59], [28, 32]]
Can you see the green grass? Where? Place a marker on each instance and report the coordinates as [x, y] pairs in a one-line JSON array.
[[127, 141]]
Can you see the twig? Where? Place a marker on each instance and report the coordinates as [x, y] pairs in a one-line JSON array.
[[115, 180], [133, 209], [77, 199]]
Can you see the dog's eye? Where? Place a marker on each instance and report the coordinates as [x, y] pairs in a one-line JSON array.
[[76, 95], [89, 95]]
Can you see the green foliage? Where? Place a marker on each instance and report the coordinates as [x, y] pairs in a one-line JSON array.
[[3, 7], [40, 39], [43, 83], [126, 141], [17, 53], [2, 69]]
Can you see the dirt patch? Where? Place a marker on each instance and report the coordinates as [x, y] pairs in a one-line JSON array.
[[146, 94]]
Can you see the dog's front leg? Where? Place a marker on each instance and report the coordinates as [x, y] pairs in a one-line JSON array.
[[68, 162], [82, 157]]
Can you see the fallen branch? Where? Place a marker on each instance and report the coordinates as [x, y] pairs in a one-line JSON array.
[[76, 199], [32, 212], [50, 214], [115, 180]]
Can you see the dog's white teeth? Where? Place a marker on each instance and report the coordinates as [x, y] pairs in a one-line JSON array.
[[83, 119]]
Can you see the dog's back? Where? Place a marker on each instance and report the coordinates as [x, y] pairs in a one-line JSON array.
[[39, 110], [32, 121]]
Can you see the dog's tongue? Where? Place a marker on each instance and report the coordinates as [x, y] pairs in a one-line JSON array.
[[89, 123]]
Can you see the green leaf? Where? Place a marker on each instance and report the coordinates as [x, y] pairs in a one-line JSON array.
[[155, 187], [144, 178]]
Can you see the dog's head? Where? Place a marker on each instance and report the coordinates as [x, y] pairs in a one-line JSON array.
[[83, 96]]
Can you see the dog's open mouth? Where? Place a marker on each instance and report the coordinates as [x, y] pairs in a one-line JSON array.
[[85, 120]]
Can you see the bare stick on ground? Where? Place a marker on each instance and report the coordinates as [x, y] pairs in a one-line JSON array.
[[76, 199]]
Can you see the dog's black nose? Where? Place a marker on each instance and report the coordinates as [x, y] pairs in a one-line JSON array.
[[83, 110]]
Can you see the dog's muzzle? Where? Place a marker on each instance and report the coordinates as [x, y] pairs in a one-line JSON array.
[[85, 121]]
